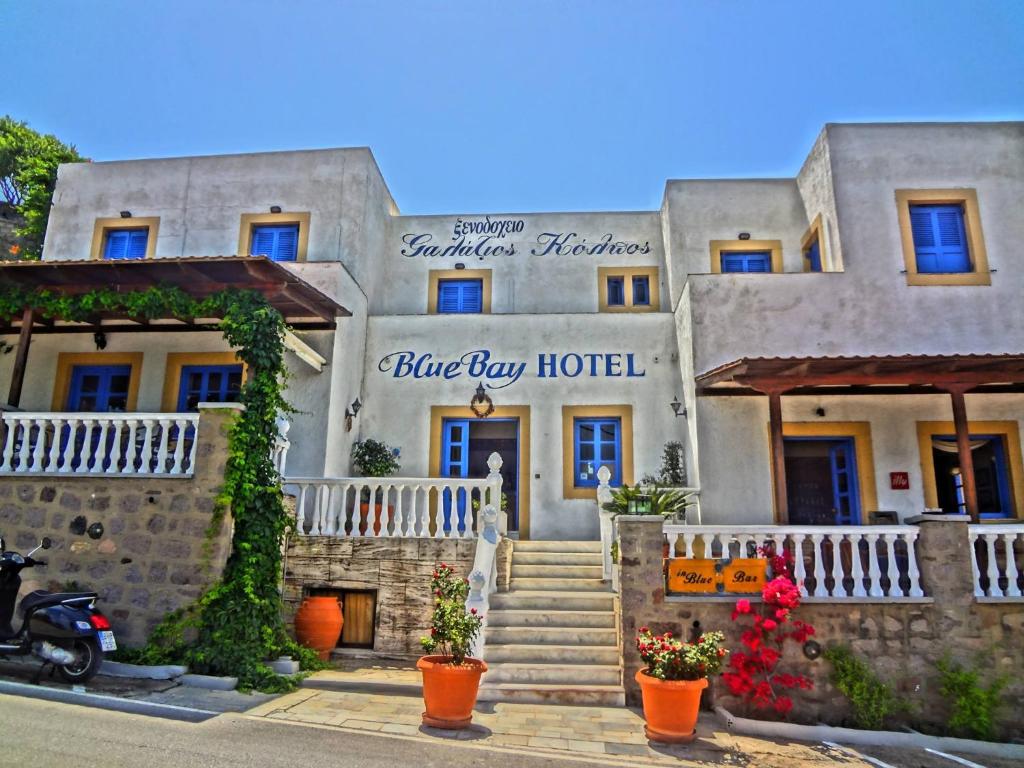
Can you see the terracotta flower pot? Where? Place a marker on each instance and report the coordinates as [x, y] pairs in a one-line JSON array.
[[364, 514], [449, 693], [318, 624], [670, 708]]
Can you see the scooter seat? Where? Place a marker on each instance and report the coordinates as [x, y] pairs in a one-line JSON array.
[[42, 599]]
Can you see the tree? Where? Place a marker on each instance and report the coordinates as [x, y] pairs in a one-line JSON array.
[[28, 174]]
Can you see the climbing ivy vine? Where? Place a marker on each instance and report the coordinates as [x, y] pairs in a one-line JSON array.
[[236, 625]]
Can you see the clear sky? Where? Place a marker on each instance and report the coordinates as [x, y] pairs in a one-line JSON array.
[[518, 105]]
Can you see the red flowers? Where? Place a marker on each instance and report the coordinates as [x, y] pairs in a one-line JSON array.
[[670, 659], [752, 673]]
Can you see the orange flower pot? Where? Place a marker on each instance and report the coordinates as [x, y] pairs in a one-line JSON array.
[[364, 514], [318, 624], [670, 708], [449, 693]]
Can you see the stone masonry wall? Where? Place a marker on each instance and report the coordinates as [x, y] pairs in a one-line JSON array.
[[901, 642], [399, 569], [150, 559]]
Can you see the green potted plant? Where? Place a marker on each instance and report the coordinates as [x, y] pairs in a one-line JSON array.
[[372, 458], [674, 675], [649, 500], [451, 678]]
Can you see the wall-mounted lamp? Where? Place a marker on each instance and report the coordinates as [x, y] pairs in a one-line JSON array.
[[460, 265], [351, 412], [481, 405], [744, 235], [819, 411], [126, 214], [677, 407], [275, 209], [100, 339]]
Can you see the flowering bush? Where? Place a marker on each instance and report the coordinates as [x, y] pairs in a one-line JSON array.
[[753, 674], [670, 659], [452, 628]]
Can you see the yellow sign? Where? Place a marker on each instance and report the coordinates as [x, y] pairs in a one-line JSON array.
[[709, 576]]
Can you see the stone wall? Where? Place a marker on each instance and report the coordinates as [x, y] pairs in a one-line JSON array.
[[152, 557], [399, 569], [901, 641]]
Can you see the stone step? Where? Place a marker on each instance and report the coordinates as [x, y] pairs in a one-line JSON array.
[[571, 675], [551, 654], [535, 693], [556, 571], [557, 546], [550, 636], [560, 585], [555, 558], [552, 600], [550, 618]]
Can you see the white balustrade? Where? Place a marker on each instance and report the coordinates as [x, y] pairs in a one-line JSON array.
[[279, 454], [115, 444], [434, 507], [833, 562], [998, 560], [483, 578]]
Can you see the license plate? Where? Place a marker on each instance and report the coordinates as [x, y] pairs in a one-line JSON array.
[[107, 642]]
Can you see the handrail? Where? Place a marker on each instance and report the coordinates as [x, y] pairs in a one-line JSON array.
[[483, 578], [997, 570]]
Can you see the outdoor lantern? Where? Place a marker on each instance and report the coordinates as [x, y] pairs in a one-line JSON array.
[[481, 404], [126, 214], [356, 406], [744, 235], [677, 407], [275, 209], [350, 413]]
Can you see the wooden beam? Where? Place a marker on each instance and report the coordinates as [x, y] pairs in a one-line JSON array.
[[859, 390], [778, 453], [963, 447], [21, 358]]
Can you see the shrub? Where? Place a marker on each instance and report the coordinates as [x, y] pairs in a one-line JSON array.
[[670, 659], [372, 458], [872, 700], [667, 502], [973, 706], [452, 628]]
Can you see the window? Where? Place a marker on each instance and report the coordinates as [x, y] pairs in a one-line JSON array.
[[99, 388], [208, 384], [812, 257], [812, 245], [616, 291], [940, 230], [641, 290], [126, 244], [627, 289], [132, 237], [598, 443], [277, 242], [753, 261], [459, 297], [756, 256]]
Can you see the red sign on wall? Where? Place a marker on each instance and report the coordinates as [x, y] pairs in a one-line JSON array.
[[899, 481]]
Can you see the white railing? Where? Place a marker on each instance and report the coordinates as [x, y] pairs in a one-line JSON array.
[[997, 560], [483, 578], [839, 562], [434, 507], [97, 443]]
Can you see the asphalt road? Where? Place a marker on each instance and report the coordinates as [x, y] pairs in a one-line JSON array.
[[43, 733]]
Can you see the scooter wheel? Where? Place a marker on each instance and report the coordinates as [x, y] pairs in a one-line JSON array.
[[90, 657]]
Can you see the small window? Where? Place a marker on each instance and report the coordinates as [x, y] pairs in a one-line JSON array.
[[208, 384], [126, 243], [460, 296], [641, 291], [940, 239], [812, 257], [278, 242], [751, 261], [597, 443], [616, 292]]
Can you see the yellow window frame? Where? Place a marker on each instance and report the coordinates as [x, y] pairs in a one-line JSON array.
[[624, 413], [815, 232], [103, 227], [178, 360], [66, 361], [435, 276], [968, 199], [627, 274], [250, 220], [719, 247]]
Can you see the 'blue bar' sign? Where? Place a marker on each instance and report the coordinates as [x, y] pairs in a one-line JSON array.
[[498, 374]]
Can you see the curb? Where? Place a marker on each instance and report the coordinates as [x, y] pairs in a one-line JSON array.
[[143, 671], [113, 703], [867, 738]]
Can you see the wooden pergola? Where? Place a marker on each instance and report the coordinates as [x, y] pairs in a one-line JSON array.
[[303, 306], [954, 375]]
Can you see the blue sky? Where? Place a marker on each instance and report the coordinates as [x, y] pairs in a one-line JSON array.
[[527, 105]]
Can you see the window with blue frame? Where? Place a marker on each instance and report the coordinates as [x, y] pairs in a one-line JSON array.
[[126, 243], [208, 384], [616, 291], [99, 388], [641, 291], [597, 442], [940, 239], [812, 256], [746, 261], [456, 297], [278, 242]]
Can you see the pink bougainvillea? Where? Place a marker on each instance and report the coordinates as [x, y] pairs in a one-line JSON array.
[[753, 673]]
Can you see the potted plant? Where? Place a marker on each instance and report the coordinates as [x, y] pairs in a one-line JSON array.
[[675, 675], [451, 677], [372, 458]]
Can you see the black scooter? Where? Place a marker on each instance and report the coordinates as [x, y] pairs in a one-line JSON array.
[[61, 628]]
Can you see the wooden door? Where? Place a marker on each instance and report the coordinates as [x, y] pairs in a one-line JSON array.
[[359, 609]]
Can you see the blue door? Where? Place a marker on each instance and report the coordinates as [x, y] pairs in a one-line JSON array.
[[844, 482], [822, 485], [454, 463], [99, 388]]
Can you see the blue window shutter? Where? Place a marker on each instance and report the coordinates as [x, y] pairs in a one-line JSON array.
[[940, 240], [813, 256], [616, 292], [208, 383], [277, 242], [755, 261], [137, 240], [641, 291], [460, 297], [287, 244], [126, 244]]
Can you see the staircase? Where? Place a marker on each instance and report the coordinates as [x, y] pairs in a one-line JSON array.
[[553, 637]]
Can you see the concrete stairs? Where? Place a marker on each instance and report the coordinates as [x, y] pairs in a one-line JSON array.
[[553, 637]]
